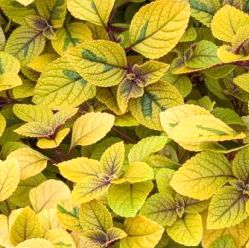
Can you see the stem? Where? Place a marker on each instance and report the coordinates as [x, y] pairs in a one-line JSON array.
[[110, 32], [124, 135]]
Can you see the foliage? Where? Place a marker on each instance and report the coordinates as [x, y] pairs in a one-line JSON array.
[[124, 123]]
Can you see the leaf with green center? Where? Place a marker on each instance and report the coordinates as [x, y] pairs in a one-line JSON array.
[[25, 43], [227, 22], [146, 147], [240, 165], [153, 33], [101, 63], [90, 128], [70, 35], [142, 233], [25, 226], [204, 55], [225, 241], [91, 10], [127, 199], [95, 216], [53, 10], [160, 208], [157, 97], [202, 175], [187, 231], [227, 208], [69, 89]]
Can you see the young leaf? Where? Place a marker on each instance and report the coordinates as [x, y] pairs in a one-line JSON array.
[[160, 208], [25, 226], [95, 216], [91, 10], [227, 208], [70, 89], [227, 22], [142, 233], [187, 231], [25, 43], [96, 63], [30, 161], [202, 175], [127, 199], [157, 97], [168, 28], [9, 178], [90, 128], [145, 147], [48, 194]]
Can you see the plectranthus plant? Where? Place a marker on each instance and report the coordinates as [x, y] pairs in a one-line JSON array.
[[124, 123]]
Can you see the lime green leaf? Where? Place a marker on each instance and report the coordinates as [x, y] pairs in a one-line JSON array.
[[242, 81], [148, 26], [71, 35], [187, 231], [160, 208], [77, 169], [53, 10], [240, 165], [142, 233], [227, 22], [113, 158], [95, 216], [25, 43], [222, 242], [48, 194], [30, 161], [91, 10], [8, 64], [202, 175], [146, 147], [227, 208], [163, 178], [70, 89], [90, 128], [157, 97], [9, 178], [25, 226], [36, 242], [2, 124], [127, 199]]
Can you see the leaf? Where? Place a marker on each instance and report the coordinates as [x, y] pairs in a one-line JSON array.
[[76, 170], [60, 238], [48, 194], [95, 216], [227, 22], [202, 175], [225, 241], [71, 35], [204, 55], [70, 89], [8, 64], [25, 226], [146, 147], [157, 97], [25, 43], [9, 178], [9, 81], [96, 63], [25, 2], [227, 208], [163, 178], [91, 10], [90, 128], [142, 233], [187, 231], [30, 161], [53, 10], [240, 165], [242, 81], [113, 158], [160, 208], [2, 124], [164, 28], [37, 242], [91, 188], [127, 199]]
